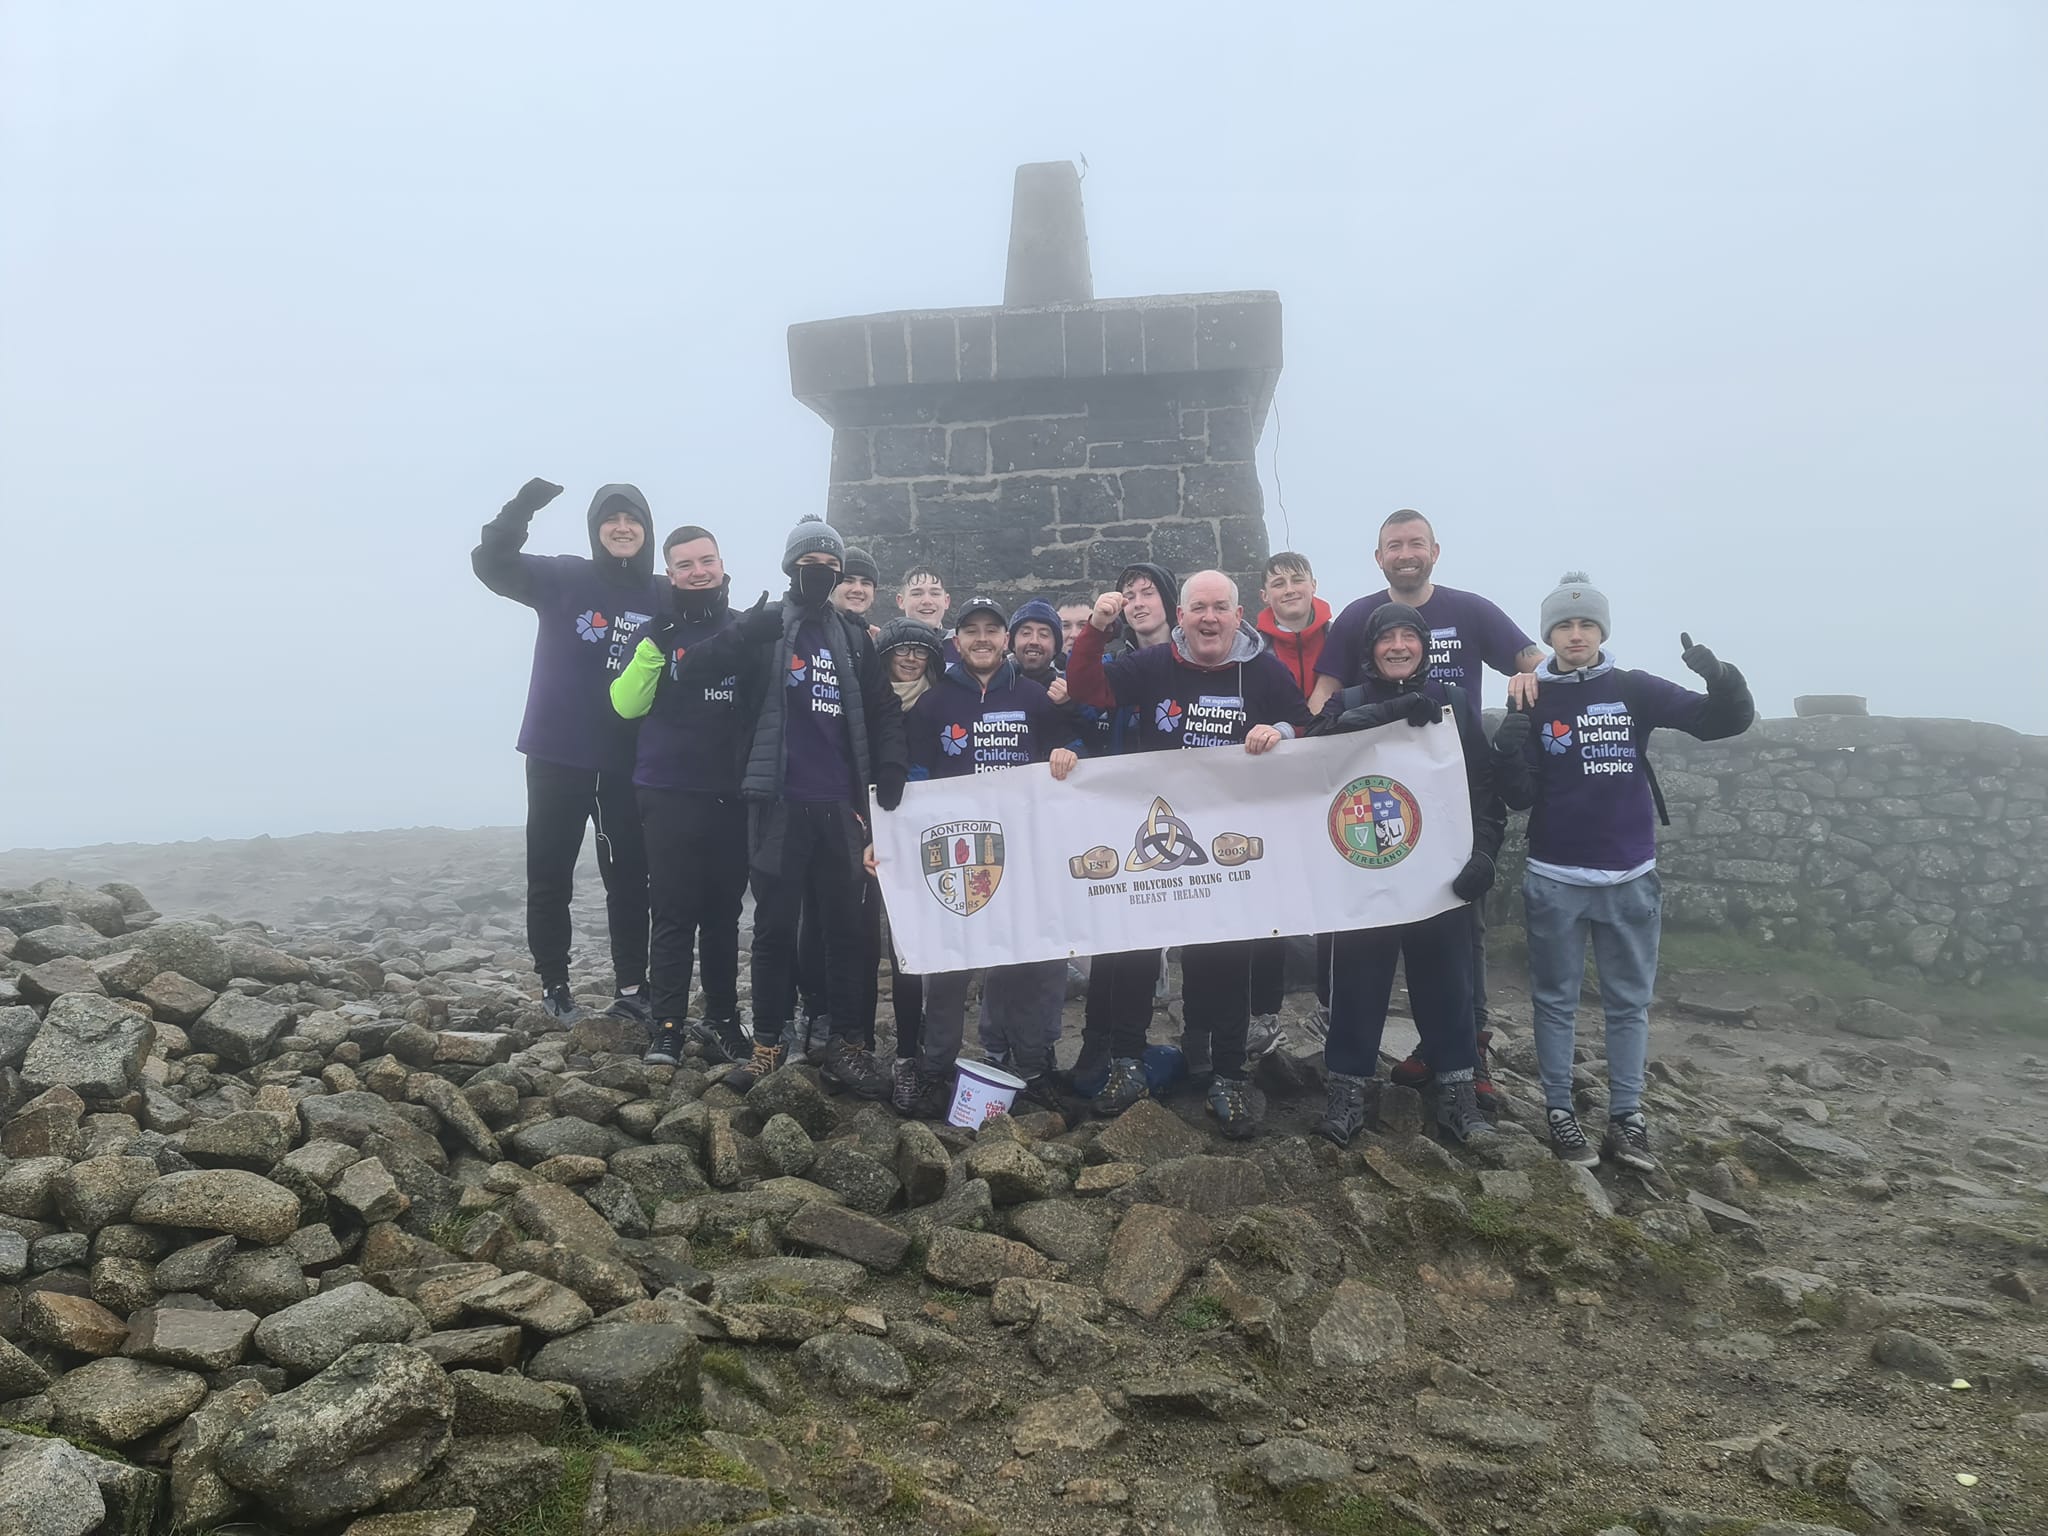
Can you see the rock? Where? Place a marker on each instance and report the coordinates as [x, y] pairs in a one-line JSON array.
[[565, 1134], [196, 1339], [1212, 1186], [200, 1496], [863, 1182], [628, 1373], [423, 1522], [856, 1365], [494, 1348], [1361, 1326], [196, 1267], [73, 1323], [252, 957], [498, 1476], [788, 1146], [63, 977], [1582, 1182], [18, 1026], [1148, 1132], [1825, 1144], [91, 1045], [220, 1200], [1014, 1174], [2012, 1283], [60, 941], [252, 1141], [176, 999], [242, 1031], [1877, 1021], [532, 1301], [1154, 1250], [190, 950], [922, 1166], [1195, 1389], [1075, 1421], [794, 1092], [975, 1261], [368, 1189], [261, 1279], [1874, 1490], [45, 1490], [487, 1403], [656, 1504], [659, 1173], [311, 1335], [1065, 1231], [20, 1376], [362, 1431], [1721, 1216], [1483, 1427], [1618, 1422], [100, 1191], [119, 1401], [1916, 1356], [1789, 1288], [851, 1235], [455, 1112], [1287, 1463]]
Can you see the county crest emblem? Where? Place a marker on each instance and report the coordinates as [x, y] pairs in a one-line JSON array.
[[963, 864], [1375, 822]]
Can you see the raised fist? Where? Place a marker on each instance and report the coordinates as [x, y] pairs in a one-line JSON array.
[[1108, 608], [533, 495]]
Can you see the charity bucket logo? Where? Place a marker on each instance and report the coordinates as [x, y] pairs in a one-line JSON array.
[[1557, 738], [1375, 822], [591, 625], [963, 864]]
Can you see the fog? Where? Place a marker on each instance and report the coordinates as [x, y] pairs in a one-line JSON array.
[[1741, 311]]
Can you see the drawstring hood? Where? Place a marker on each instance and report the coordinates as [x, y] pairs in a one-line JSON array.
[[1396, 616], [701, 605], [636, 568]]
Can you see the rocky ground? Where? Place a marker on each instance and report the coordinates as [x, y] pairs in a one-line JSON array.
[[326, 1227]]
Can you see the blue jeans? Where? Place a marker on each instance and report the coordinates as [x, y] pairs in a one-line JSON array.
[[1623, 922]]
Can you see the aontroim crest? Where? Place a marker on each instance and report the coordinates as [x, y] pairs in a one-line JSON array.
[[963, 864]]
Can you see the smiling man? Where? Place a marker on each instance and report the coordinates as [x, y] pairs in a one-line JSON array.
[[1212, 682], [687, 776], [579, 753], [984, 716]]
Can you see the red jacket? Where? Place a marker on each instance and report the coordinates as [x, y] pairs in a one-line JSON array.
[[1298, 652]]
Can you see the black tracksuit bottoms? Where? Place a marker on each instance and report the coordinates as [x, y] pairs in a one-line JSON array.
[[1119, 1008], [1216, 998], [559, 801], [813, 990], [697, 881], [822, 842], [1269, 973]]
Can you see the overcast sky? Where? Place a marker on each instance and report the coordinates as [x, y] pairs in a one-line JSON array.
[[1741, 310]]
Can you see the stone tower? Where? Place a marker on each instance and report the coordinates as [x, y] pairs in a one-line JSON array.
[[1038, 447]]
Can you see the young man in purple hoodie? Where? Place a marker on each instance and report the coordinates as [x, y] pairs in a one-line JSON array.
[[982, 716], [579, 753], [1592, 871], [1214, 683]]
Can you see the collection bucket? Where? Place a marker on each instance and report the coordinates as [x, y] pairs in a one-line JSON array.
[[980, 1092]]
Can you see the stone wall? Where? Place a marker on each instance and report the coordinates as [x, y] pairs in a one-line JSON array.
[[1915, 842]]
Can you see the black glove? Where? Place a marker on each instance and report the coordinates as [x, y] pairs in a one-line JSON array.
[[889, 781], [1475, 879], [533, 495], [1701, 660], [1513, 734], [1421, 709], [757, 623], [1361, 717]]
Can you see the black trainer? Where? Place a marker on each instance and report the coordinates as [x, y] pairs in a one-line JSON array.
[[1568, 1139], [634, 1006], [929, 1095], [666, 1048], [1125, 1087], [1231, 1102], [1628, 1142], [1345, 1112], [857, 1071], [558, 1002], [715, 1042]]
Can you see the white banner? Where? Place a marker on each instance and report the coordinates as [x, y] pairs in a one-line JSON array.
[[1162, 848]]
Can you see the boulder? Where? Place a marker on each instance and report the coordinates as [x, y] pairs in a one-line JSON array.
[[312, 1334], [532, 1301], [1154, 1250], [1361, 1326], [220, 1200], [91, 1045], [195, 1338], [358, 1434], [119, 1401], [850, 1234], [498, 1476], [200, 1496], [628, 1373], [176, 999], [242, 1031], [254, 1141], [100, 1191], [76, 1324], [190, 949], [856, 1365], [45, 1490]]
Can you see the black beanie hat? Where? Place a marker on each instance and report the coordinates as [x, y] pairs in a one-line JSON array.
[[858, 562]]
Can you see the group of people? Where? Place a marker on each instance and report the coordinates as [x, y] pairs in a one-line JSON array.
[[717, 750]]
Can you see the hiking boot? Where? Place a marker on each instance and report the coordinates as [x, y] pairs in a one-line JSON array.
[[716, 1040], [1048, 1090], [1195, 1055], [1628, 1142], [851, 1067], [1230, 1101], [1568, 1139], [1412, 1071], [1482, 1075], [558, 1002], [766, 1058], [1263, 1038], [666, 1048], [633, 1006], [928, 1096], [1346, 1111], [902, 1083], [1457, 1112], [1125, 1087]]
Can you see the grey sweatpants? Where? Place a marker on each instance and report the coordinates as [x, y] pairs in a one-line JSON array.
[[1020, 1014]]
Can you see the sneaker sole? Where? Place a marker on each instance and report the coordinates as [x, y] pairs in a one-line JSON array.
[[1587, 1159], [659, 1059]]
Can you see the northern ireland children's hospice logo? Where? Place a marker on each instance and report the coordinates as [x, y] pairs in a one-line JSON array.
[[963, 864], [1375, 822]]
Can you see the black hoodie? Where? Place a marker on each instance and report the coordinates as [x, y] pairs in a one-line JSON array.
[[591, 611]]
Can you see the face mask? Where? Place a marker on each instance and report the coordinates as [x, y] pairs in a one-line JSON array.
[[812, 584]]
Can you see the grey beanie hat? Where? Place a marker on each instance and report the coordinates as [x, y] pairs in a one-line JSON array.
[[1575, 598], [812, 536]]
